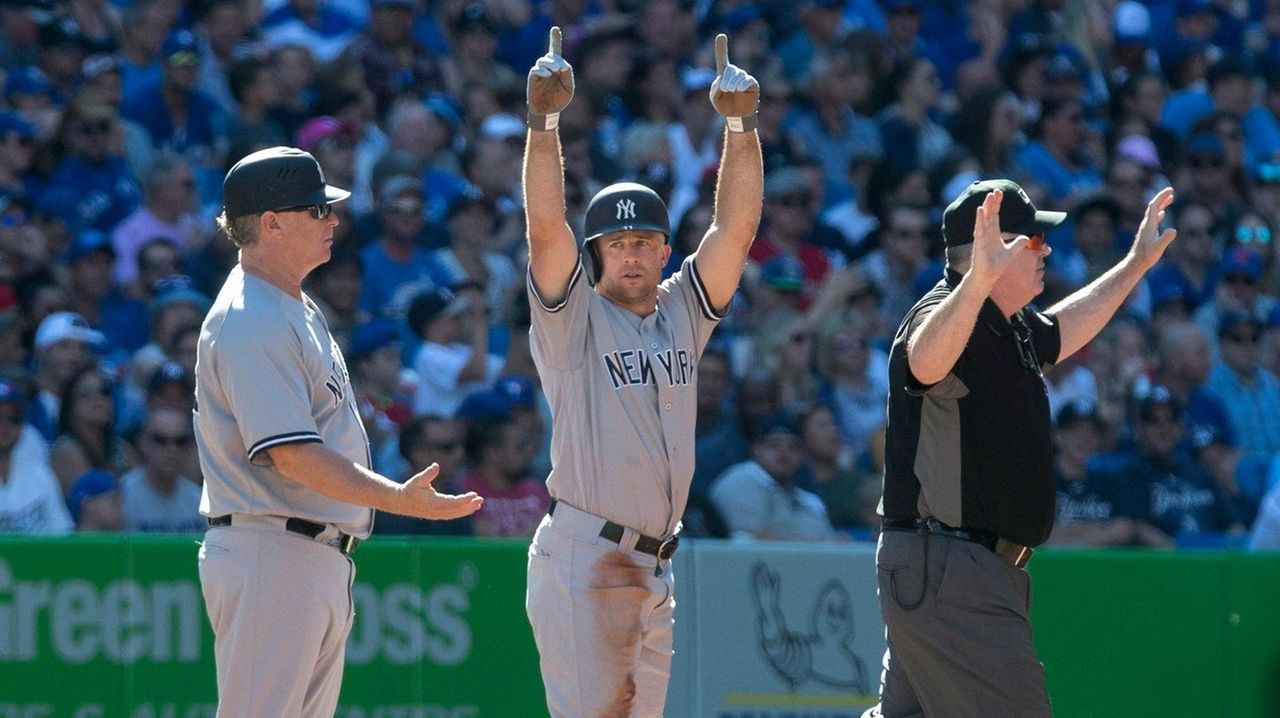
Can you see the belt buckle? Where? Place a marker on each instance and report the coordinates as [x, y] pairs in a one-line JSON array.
[[347, 544], [668, 547]]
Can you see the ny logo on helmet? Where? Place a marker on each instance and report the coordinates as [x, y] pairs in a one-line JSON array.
[[626, 209]]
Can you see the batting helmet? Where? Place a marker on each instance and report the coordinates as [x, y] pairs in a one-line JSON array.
[[621, 207]]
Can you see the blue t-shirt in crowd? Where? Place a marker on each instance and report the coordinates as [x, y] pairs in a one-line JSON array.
[[197, 135], [104, 193], [1178, 499], [1061, 181], [389, 286]]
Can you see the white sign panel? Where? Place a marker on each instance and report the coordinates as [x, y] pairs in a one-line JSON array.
[[777, 630]]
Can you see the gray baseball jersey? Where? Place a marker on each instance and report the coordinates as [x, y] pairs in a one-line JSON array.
[[622, 390], [269, 373]]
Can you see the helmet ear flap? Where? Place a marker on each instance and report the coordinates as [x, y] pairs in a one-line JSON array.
[[591, 262]]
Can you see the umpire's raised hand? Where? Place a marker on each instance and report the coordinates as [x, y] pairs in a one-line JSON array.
[[550, 87], [734, 93]]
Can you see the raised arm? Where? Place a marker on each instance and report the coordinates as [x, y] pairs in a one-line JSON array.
[[740, 187], [1083, 314], [933, 349], [553, 252]]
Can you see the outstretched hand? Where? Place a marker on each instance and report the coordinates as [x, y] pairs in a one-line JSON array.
[[550, 86], [419, 498], [734, 93], [1148, 246], [991, 256]]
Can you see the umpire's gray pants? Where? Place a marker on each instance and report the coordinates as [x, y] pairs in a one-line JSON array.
[[280, 605], [602, 620], [966, 649]]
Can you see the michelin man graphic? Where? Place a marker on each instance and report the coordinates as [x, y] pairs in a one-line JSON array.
[[824, 654]]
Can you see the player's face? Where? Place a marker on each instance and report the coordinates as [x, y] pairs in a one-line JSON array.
[[631, 265]]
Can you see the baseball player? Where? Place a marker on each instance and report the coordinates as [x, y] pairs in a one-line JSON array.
[[616, 347], [287, 484]]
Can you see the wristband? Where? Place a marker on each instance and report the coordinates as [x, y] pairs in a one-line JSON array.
[[741, 124], [544, 122]]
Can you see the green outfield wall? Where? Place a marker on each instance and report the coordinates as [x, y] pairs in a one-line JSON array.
[[107, 627]]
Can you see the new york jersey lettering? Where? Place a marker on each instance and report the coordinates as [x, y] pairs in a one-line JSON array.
[[635, 367]]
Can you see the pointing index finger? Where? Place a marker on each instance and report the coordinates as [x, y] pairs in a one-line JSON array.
[[722, 53], [555, 40]]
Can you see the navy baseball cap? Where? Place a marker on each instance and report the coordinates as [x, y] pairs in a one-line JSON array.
[[88, 242], [1076, 411], [1242, 261], [484, 404], [180, 48], [11, 392], [433, 304], [27, 80], [91, 483], [276, 178], [14, 123], [372, 336], [169, 372], [1017, 212], [1158, 396], [517, 390]]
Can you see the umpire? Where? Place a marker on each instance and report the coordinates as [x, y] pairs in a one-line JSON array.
[[968, 484], [287, 484]]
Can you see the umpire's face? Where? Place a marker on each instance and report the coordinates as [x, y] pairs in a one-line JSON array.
[[1024, 279], [631, 263]]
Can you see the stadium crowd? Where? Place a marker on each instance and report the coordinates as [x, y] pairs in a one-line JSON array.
[[121, 118]]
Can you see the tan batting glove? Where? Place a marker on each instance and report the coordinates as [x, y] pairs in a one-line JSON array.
[[734, 93], [550, 87]]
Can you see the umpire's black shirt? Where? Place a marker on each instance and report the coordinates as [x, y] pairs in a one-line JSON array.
[[974, 450]]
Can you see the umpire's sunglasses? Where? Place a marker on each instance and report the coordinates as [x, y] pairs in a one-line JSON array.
[[319, 211]]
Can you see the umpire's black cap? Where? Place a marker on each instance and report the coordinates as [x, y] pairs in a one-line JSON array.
[[1017, 212], [276, 178]]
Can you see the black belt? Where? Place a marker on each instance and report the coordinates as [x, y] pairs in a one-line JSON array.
[[661, 548], [1015, 554], [346, 543]]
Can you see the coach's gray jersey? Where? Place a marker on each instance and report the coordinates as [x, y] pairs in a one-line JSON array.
[[623, 396], [269, 373]]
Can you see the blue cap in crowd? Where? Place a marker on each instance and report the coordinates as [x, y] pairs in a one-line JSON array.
[[1131, 23], [14, 123], [741, 16], [1077, 410], [91, 483], [169, 372], [484, 404], [517, 390], [444, 110], [177, 289], [11, 392], [1242, 261], [372, 336], [180, 48], [88, 242], [27, 80], [1206, 143]]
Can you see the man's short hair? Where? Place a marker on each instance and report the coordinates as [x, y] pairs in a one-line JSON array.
[[242, 231]]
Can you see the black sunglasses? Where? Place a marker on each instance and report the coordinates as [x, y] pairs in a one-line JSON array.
[[319, 211]]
